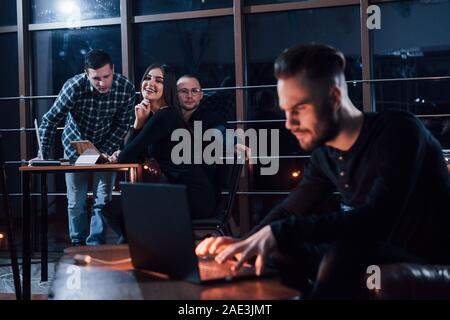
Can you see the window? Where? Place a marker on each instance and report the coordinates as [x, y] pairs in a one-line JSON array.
[[10, 119], [144, 7], [429, 99], [413, 40], [8, 13], [71, 11], [200, 46], [59, 54], [254, 2], [268, 34]]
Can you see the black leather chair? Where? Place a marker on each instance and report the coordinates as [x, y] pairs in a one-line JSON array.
[[219, 225], [410, 281], [9, 226]]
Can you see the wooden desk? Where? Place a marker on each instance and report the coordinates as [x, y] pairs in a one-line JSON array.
[[119, 282], [135, 175]]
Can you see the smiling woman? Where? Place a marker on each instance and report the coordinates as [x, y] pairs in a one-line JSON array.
[[158, 115]]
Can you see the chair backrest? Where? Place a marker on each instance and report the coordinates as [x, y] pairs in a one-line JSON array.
[[228, 179]]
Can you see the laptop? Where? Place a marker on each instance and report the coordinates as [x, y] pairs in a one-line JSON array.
[[40, 161], [160, 237]]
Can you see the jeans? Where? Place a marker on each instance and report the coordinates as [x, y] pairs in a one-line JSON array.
[[77, 188]]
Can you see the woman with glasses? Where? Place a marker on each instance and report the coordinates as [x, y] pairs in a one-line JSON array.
[[158, 115]]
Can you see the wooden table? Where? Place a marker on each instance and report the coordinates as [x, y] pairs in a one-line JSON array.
[[135, 175], [121, 281]]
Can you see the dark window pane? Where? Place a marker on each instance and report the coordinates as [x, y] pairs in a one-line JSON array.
[[8, 13], [268, 34], [253, 2], [201, 46], [10, 119], [59, 54], [73, 11], [430, 100], [9, 81], [9, 87], [222, 102], [143, 7], [413, 40], [288, 176]]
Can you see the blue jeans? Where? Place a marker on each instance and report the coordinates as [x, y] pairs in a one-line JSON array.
[[77, 188]]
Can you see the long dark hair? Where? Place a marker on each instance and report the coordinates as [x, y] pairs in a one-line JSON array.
[[170, 93]]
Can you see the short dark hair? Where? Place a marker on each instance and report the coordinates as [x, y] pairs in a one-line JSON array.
[[192, 76], [170, 92], [95, 59], [314, 61]]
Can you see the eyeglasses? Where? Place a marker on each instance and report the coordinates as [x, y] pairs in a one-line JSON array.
[[194, 91]]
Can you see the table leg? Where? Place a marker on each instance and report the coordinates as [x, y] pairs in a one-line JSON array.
[[136, 174], [44, 226], [26, 237]]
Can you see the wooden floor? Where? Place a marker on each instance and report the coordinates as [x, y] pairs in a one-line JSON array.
[[12, 296], [58, 240], [38, 288]]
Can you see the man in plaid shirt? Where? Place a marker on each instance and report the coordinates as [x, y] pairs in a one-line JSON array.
[[98, 106]]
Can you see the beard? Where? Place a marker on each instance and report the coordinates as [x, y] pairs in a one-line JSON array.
[[325, 130]]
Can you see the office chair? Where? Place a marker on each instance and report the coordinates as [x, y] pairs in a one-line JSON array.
[[9, 226], [219, 225]]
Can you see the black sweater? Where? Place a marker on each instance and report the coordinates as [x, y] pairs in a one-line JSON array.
[[154, 140], [395, 180]]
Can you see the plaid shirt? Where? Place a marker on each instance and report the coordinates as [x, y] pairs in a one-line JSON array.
[[101, 118]]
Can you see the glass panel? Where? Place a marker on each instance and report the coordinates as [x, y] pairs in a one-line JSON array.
[[201, 46], [10, 119], [223, 102], [143, 7], [413, 40], [253, 2], [428, 99], [8, 13], [72, 11], [288, 176], [66, 50], [9, 81], [268, 34]]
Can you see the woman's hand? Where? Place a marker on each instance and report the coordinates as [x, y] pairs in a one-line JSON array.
[[114, 158], [141, 112]]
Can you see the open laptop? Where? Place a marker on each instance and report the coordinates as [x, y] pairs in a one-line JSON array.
[[40, 161], [159, 232]]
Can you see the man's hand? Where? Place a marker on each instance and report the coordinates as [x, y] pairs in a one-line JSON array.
[[243, 150], [141, 112], [114, 157], [261, 244], [213, 245], [104, 156]]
